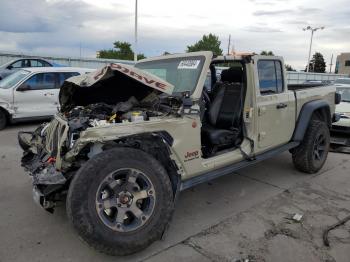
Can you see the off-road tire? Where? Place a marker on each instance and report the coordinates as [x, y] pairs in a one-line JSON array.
[[303, 155], [81, 198], [3, 119]]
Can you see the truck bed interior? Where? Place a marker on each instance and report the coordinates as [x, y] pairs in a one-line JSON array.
[[222, 110]]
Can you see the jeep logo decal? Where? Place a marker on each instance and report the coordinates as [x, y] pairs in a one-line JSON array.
[[191, 155]]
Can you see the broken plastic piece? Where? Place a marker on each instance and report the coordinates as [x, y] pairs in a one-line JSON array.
[[51, 160], [297, 217], [49, 176]]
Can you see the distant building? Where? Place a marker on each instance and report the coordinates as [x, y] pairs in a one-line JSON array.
[[342, 65]]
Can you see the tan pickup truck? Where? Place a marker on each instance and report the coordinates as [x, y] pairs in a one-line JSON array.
[[128, 140]]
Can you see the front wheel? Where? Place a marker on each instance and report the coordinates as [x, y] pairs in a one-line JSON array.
[[3, 120], [311, 154], [120, 201]]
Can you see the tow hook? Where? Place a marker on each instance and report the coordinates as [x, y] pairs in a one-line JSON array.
[[39, 199]]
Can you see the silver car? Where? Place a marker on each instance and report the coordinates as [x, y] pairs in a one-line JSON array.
[[14, 65]]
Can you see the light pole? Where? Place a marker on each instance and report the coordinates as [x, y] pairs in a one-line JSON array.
[[312, 34], [135, 43]]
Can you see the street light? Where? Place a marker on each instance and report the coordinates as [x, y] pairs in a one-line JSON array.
[[135, 43], [312, 34]]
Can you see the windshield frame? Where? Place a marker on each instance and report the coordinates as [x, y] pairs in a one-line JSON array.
[[13, 77], [177, 60], [197, 93]]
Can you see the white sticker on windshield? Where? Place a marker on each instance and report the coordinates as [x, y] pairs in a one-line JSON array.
[[189, 64]]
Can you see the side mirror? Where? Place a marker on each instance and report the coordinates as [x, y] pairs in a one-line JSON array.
[[337, 99], [23, 87], [9, 67]]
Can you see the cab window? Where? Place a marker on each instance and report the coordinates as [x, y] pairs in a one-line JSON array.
[[42, 81], [18, 64], [36, 63], [66, 75], [270, 77]]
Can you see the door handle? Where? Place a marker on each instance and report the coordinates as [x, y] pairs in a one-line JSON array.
[[281, 105], [48, 94]]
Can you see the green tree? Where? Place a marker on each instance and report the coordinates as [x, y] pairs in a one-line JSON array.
[[289, 67], [121, 50], [207, 43], [141, 56], [317, 63], [267, 53]]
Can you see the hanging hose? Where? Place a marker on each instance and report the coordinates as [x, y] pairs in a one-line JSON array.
[[339, 223]]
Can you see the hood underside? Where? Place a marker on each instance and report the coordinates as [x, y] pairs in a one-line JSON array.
[[111, 84]]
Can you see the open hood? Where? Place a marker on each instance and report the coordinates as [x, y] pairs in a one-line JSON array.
[[111, 84]]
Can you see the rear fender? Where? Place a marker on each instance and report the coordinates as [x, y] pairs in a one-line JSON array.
[[317, 108]]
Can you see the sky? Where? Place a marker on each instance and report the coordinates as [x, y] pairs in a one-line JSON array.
[[61, 27]]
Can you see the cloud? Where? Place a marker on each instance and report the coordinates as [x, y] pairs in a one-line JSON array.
[[308, 10], [298, 11], [296, 22], [42, 16], [18, 16], [262, 29], [273, 13]]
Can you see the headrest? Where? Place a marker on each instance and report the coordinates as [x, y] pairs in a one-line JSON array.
[[232, 75]]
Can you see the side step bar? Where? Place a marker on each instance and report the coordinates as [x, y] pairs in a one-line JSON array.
[[234, 167]]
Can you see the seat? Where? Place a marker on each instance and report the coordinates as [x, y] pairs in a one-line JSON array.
[[224, 114], [230, 75], [219, 137]]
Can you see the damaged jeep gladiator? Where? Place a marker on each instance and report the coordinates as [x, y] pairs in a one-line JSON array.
[[128, 139]]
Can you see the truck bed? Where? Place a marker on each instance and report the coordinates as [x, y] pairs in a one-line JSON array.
[[308, 92], [293, 87]]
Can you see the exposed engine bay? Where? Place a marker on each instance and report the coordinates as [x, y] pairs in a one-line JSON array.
[[132, 110]]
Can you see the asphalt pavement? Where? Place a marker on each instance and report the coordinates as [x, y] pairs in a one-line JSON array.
[[240, 216]]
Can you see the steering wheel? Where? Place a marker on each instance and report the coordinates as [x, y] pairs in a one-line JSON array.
[[205, 96]]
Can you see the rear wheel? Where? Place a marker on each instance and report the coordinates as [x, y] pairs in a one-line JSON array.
[[120, 201], [3, 119], [311, 154]]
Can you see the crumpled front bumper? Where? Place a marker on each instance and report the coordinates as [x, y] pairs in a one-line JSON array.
[[48, 182]]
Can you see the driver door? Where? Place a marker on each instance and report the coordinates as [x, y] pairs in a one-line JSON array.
[[36, 96]]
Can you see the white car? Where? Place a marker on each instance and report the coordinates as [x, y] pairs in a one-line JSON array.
[[32, 93], [343, 109]]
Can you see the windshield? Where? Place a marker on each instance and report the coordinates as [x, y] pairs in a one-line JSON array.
[[345, 93], [183, 73], [342, 81], [13, 79]]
